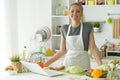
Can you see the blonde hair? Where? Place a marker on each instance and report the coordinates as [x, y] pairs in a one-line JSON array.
[[81, 7], [77, 4]]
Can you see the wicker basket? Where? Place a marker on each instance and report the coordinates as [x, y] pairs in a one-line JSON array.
[[17, 66]]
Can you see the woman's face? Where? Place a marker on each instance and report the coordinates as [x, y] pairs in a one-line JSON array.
[[75, 13]]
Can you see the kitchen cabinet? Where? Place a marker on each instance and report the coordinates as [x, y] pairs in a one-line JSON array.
[[58, 18]]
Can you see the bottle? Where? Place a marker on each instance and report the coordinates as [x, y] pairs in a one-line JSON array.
[[42, 57], [65, 11], [49, 52], [58, 9], [119, 2], [25, 53]]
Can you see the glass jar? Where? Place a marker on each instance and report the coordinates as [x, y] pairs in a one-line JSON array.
[[58, 29], [58, 9], [65, 11], [118, 1]]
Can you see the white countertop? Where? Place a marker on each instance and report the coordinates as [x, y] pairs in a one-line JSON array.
[[106, 59], [27, 76], [32, 76]]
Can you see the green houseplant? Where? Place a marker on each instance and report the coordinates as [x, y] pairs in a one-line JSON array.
[[15, 59], [96, 26]]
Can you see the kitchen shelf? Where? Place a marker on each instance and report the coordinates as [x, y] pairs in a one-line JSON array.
[[104, 2], [113, 14], [56, 35], [61, 19], [58, 20], [59, 16]]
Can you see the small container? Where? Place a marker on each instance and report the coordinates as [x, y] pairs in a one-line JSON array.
[[113, 47], [100, 2], [25, 53], [82, 2], [118, 1], [58, 29], [91, 2], [110, 2], [58, 9], [65, 11]]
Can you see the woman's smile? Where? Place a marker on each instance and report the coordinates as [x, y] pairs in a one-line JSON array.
[[75, 13]]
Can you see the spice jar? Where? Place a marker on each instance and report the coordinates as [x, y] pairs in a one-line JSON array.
[[58, 29], [65, 11]]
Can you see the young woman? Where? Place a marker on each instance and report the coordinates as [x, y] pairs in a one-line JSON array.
[[77, 37]]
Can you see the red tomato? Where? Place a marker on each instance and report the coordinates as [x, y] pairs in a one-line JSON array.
[[90, 70], [41, 64]]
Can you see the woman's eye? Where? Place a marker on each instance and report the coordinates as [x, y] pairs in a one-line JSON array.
[[77, 11], [72, 11]]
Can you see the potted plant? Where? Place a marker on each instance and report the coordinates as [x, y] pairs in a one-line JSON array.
[[15, 59], [96, 26]]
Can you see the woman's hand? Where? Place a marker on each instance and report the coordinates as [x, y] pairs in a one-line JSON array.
[[58, 54]]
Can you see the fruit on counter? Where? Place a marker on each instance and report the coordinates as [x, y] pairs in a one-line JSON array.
[[41, 64], [90, 70], [74, 69], [96, 73], [109, 20], [10, 67], [58, 68], [48, 52]]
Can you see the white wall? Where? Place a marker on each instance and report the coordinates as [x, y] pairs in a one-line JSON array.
[[32, 14], [26, 16], [100, 13], [11, 26]]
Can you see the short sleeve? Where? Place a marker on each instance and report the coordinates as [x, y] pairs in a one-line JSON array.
[[63, 30]]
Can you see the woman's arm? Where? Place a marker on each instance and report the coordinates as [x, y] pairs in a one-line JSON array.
[[59, 53], [94, 49]]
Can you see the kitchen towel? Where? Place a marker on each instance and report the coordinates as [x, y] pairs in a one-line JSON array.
[[116, 28]]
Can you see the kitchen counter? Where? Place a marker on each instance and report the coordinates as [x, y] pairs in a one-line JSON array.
[[28, 75], [106, 59], [31, 76]]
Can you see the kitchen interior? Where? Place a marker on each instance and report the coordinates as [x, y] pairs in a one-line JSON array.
[[34, 25]]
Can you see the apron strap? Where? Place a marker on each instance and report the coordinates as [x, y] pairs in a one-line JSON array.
[[68, 30]]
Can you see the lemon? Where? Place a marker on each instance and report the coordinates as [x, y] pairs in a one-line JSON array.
[[109, 20], [48, 52]]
